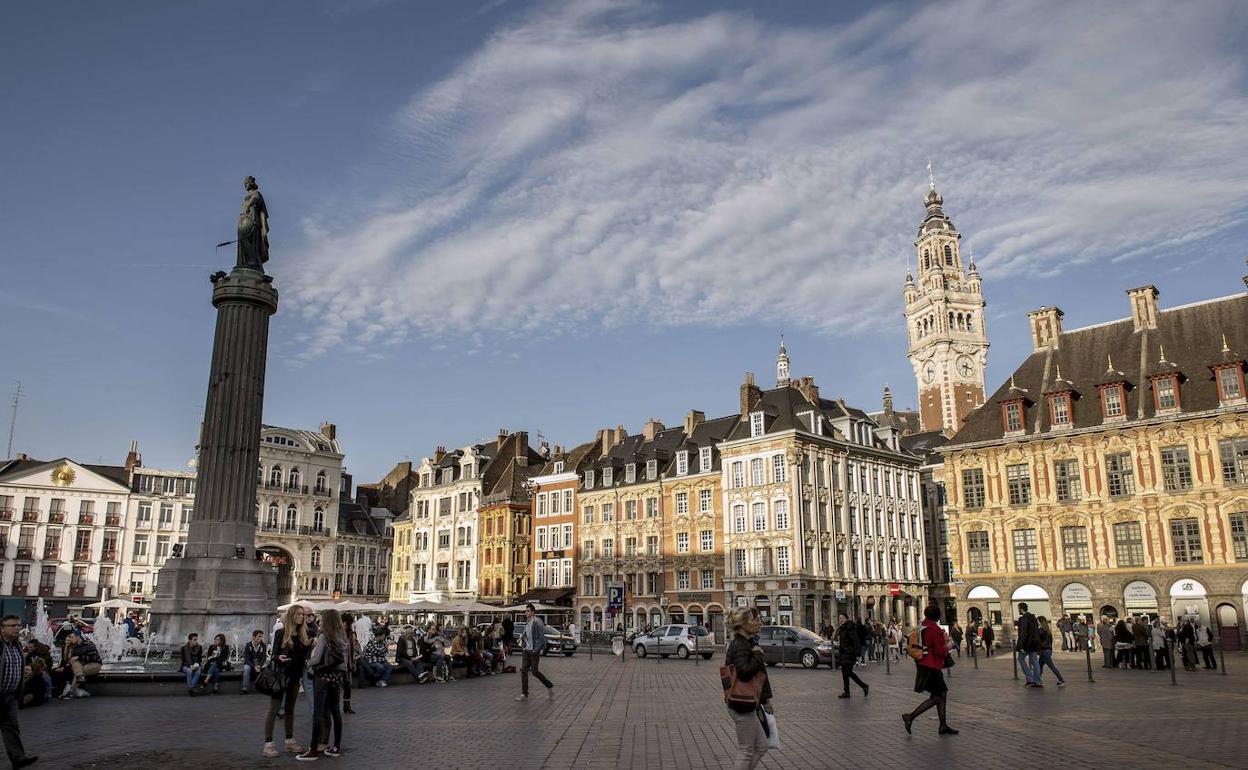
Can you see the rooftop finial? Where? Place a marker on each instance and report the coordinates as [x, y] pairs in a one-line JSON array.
[[1110, 361], [1059, 371], [931, 179], [1225, 348], [1162, 349]]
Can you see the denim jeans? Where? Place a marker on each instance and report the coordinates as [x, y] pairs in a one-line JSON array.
[[1028, 664], [246, 676], [192, 676], [214, 673], [376, 672], [414, 666], [1046, 659]]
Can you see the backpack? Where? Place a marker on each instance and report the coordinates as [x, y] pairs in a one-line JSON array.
[[914, 644]]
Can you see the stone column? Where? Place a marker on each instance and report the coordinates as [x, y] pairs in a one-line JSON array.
[[218, 586]]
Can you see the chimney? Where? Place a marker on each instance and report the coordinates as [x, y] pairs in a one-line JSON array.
[[329, 431], [750, 395], [693, 420], [1143, 307], [1046, 328], [133, 458], [807, 387], [651, 428], [620, 435], [543, 449], [502, 436], [558, 450], [522, 443], [439, 453], [604, 441]]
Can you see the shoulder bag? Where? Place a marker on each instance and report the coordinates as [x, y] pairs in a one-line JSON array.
[[739, 692], [272, 680]]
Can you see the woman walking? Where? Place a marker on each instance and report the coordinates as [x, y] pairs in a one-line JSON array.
[[929, 672], [847, 655], [1046, 652], [328, 664], [747, 657], [290, 653], [1124, 643]]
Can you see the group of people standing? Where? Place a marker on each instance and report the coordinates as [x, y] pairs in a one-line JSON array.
[[1140, 643]]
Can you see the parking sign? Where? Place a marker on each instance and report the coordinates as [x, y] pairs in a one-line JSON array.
[[615, 597]]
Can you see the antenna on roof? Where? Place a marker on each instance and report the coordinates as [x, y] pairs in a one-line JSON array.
[[17, 398]]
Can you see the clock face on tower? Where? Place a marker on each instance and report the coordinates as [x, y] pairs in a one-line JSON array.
[[929, 371], [966, 367]]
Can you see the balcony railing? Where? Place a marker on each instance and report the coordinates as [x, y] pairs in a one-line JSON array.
[[20, 589], [29, 515], [78, 591], [51, 553], [112, 521], [86, 518], [6, 514], [47, 590], [25, 553], [108, 556], [82, 555], [165, 525], [322, 492], [298, 489], [298, 530], [56, 517]]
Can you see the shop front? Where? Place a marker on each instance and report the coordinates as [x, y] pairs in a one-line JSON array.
[[1140, 598], [1189, 601], [1037, 600], [1077, 602]]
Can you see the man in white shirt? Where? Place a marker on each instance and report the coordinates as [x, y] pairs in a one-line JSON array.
[[532, 644]]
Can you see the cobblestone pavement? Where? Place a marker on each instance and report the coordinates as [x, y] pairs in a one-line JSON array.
[[609, 713]]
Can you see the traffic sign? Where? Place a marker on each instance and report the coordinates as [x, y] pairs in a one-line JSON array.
[[615, 597], [894, 589]]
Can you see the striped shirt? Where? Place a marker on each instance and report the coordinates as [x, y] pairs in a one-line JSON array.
[[11, 667]]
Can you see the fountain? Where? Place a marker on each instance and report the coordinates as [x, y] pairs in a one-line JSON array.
[[43, 625], [110, 638]]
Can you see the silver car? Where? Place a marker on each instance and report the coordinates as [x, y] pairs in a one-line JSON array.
[[679, 639]]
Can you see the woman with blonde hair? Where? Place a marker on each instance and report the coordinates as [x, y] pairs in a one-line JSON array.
[[290, 653], [747, 657]]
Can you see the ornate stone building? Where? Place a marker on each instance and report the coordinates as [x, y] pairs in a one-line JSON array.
[[1109, 474], [554, 511], [945, 324], [505, 526]]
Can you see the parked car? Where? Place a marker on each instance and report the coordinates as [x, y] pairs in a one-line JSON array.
[[556, 640], [792, 644], [678, 639]]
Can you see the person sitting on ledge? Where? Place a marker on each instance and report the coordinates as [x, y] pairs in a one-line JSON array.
[[459, 652], [36, 686], [218, 661], [255, 655], [192, 662], [83, 659], [407, 655], [374, 666]]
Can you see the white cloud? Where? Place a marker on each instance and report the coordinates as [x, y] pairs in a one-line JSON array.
[[599, 165]]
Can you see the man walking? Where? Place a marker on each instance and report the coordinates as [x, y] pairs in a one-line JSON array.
[[1105, 635], [10, 691], [532, 644], [1027, 646]]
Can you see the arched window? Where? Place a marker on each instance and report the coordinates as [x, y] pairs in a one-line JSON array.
[[275, 476], [927, 259], [951, 321], [293, 479], [320, 481], [316, 558], [272, 515], [970, 324], [318, 519], [948, 254], [292, 516]]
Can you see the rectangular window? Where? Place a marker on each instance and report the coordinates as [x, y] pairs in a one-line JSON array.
[[756, 471], [587, 549], [1167, 393], [756, 424], [162, 548], [608, 512], [682, 542], [166, 515], [587, 585], [708, 579], [608, 476], [145, 514], [704, 501], [630, 473], [682, 462], [682, 580], [587, 514], [760, 517], [706, 539], [1230, 384], [1018, 483], [973, 488], [1176, 468], [1066, 479], [540, 535], [781, 508], [1234, 454], [1119, 474], [738, 562], [608, 548], [630, 510], [1075, 547], [541, 505], [782, 560], [630, 546], [652, 507], [704, 459], [169, 486], [589, 479], [556, 503], [1013, 416], [738, 475], [1111, 401], [1129, 544], [977, 550], [444, 539], [1025, 556], [652, 545], [738, 519], [1239, 536], [1061, 410], [541, 573], [1185, 537], [140, 547], [652, 468]]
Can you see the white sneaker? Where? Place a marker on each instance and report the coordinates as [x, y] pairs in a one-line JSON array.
[[382, 684], [522, 696], [270, 751], [81, 693]]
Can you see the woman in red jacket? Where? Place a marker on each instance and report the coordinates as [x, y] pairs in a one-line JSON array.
[[929, 675]]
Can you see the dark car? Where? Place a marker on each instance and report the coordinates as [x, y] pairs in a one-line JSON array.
[[791, 644]]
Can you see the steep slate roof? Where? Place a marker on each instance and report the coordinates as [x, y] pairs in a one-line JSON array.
[[925, 445], [353, 519], [573, 459], [706, 433], [636, 449], [904, 420], [1191, 336]]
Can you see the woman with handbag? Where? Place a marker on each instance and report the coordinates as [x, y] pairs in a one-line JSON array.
[[290, 652], [328, 665], [929, 671], [747, 693], [847, 655]]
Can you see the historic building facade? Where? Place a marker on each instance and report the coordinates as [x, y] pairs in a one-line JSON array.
[[158, 516], [505, 525], [554, 511], [1109, 474], [945, 324]]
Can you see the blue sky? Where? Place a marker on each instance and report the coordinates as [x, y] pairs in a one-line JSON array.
[[563, 216]]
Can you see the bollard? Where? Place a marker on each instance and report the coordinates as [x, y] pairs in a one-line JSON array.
[[974, 657], [1221, 656], [1173, 681], [1014, 655], [888, 654], [1087, 650], [784, 652]]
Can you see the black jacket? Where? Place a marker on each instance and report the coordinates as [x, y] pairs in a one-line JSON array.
[[1028, 633], [407, 649], [192, 655], [741, 653], [254, 656], [849, 650], [297, 654]]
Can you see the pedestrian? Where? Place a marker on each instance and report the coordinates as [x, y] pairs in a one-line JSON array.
[[255, 655], [746, 657], [847, 655], [83, 659], [1142, 642], [532, 644], [407, 655], [375, 667], [291, 646], [353, 660], [955, 634], [929, 672], [36, 687], [11, 669], [328, 664], [1161, 652], [1027, 645], [508, 635], [1124, 643], [1046, 652], [1204, 643], [1079, 630], [1187, 641], [990, 637], [1066, 628], [218, 660], [192, 662], [1105, 635]]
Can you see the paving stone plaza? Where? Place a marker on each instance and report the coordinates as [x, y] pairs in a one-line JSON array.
[[609, 713]]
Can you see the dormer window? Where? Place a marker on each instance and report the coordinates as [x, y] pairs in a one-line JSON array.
[[1166, 393], [756, 424], [607, 474], [1230, 383], [630, 473], [559, 466], [704, 459], [589, 479], [682, 463], [1059, 410], [1112, 402], [652, 468], [1012, 416]]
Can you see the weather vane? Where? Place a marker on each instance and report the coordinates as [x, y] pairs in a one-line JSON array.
[[931, 180]]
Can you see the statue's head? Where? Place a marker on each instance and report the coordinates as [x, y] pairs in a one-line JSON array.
[[249, 183]]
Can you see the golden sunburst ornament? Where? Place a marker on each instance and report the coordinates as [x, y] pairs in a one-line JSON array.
[[63, 475]]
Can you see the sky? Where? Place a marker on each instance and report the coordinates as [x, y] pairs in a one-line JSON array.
[[558, 217]]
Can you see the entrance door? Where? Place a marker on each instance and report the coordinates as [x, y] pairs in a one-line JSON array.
[[1228, 628], [280, 559]]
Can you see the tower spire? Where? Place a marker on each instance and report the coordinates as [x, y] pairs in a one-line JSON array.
[[782, 366]]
